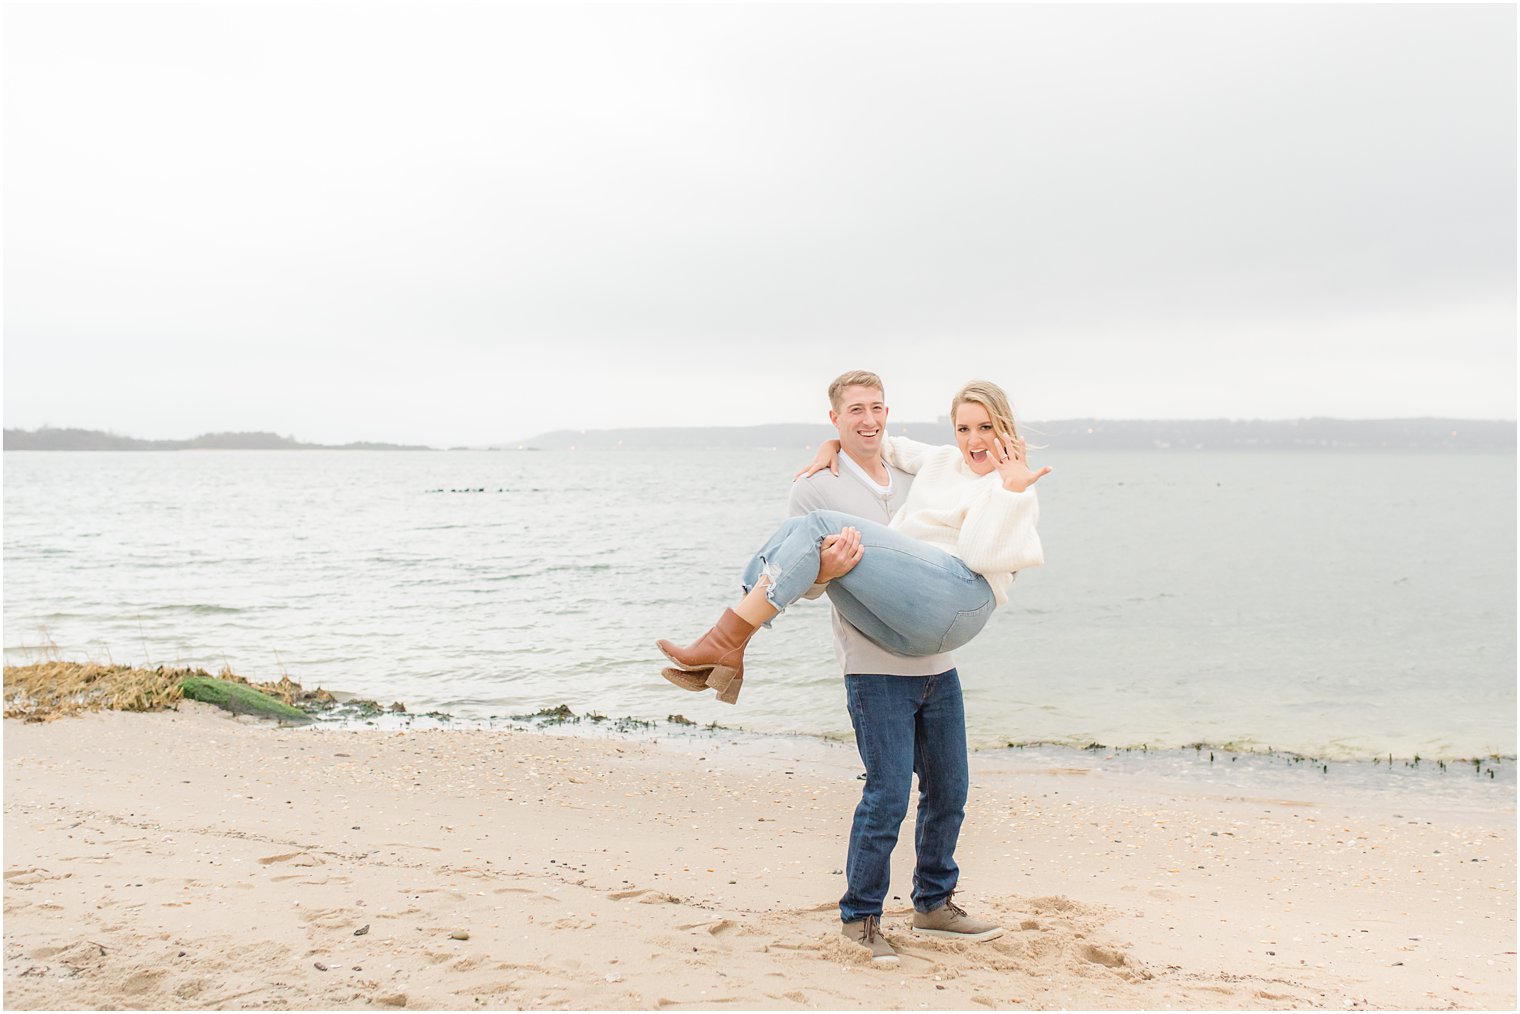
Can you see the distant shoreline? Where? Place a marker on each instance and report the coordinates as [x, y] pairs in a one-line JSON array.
[[49, 438], [1315, 434]]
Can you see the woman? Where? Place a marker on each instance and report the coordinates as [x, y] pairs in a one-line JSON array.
[[924, 584]]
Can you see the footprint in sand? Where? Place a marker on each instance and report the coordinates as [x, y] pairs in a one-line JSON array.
[[191, 989], [329, 918], [399, 913], [140, 982], [468, 964], [1102, 956], [717, 928], [310, 881], [492, 988], [702, 1004], [301, 858], [646, 897]]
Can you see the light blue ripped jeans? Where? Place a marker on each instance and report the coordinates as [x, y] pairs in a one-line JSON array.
[[907, 596]]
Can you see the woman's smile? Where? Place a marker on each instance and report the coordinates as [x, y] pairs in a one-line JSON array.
[[974, 433]]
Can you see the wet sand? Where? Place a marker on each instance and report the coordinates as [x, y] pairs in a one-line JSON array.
[[193, 860]]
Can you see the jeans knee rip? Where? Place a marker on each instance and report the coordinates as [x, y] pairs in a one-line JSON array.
[[770, 574]]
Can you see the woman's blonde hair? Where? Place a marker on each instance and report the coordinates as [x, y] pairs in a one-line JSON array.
[[991, 397]]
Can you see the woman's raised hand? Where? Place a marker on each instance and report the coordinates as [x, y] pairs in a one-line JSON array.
[[1013, 466], [827, 457]]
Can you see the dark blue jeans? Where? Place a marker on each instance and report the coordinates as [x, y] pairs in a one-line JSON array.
[[906, 725]]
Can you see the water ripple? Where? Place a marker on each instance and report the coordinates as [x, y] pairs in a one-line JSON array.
[[1171, 610]]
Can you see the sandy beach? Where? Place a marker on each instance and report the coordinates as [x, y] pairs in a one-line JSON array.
[[190, 859]]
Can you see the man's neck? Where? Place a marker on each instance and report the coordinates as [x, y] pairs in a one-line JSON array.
[[873, 466]]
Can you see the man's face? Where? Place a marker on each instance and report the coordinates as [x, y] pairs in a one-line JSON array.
[[861, 420]]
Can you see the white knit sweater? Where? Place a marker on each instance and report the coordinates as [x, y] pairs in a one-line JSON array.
[[971, 517]]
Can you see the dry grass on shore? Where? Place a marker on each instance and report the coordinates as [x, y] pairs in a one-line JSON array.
[[46, 691]]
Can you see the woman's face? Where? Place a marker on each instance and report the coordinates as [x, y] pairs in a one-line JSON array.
[[974, 433]]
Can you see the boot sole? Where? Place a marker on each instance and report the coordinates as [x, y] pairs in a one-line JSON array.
[[974, 938], [694, 680], [882, 959]]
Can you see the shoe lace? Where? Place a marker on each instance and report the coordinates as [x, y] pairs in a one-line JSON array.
[[953, 907], [872, 928]]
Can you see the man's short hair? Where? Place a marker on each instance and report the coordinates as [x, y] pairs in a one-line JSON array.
[[855, 378]]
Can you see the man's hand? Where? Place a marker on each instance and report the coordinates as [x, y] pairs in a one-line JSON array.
[[839, 555], [827, 457]]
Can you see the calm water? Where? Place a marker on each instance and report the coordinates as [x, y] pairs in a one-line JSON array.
[[1340, 605]]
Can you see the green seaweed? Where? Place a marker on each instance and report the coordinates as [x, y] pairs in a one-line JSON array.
[[561, 715], [239, 699]]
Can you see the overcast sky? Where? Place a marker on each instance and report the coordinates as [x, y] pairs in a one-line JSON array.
[[467, 224]]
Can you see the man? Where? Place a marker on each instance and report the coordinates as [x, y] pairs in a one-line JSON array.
[[907, 711]]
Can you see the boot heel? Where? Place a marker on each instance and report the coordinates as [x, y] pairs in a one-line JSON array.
[[730, 693], [720, 677]]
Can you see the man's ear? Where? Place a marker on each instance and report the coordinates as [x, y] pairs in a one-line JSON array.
[[833, 418]]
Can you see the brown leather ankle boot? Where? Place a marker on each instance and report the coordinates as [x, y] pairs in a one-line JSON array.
[[721, 648]]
